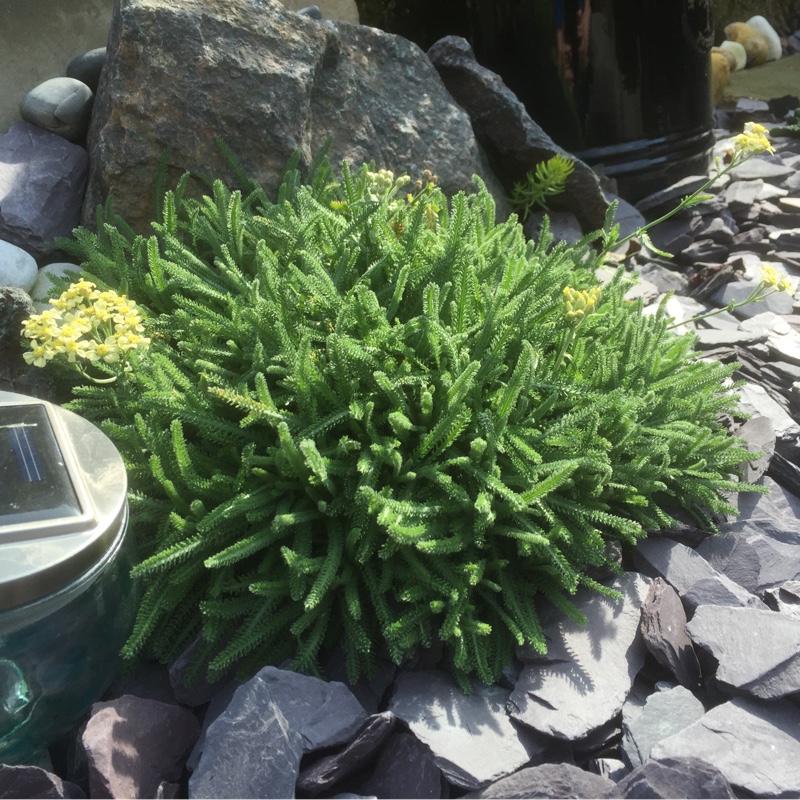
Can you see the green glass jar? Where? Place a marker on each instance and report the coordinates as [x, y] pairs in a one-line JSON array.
[[66, 598]]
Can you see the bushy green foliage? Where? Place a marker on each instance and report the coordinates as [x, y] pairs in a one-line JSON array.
[[548, 178], [366, 418]]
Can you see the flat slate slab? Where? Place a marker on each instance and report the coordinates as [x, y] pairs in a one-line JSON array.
[[474, 742], [758, 651], [756, 745], [589, 669]]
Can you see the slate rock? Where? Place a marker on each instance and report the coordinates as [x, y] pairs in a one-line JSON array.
[[216, 707], [784, 599], [664, 713], [268, 82], [758, 434], [704, 250], [741, 194], [512, 140], [369, 691], [758, 651], [611, 768], [768, 168], [17, 268], [331, 769], [682, 567], [60, 105], [583, 680], [87, 67], [133, 744], [755, 745], [709, 339], [405, 768], [663, 627], [752, 559], [666, 199], [250, 750], [778, 504], [668, 777], [324, 713], [713, 591], [547, 780], [42, 183], [200, 690], [34, 782], [759, 400], [473, 740]]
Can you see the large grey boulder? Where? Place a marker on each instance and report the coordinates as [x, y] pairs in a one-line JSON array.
[[42, 182], [758, 651], [514, 143], [588, 671], [474, 742], [25, 781], [267, 81], [755, 745]]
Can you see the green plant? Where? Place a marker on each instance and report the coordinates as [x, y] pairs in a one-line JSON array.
[[547, 179], [384, 420], [792, 126]]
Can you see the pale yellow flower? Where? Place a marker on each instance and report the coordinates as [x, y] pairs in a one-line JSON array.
[[39, 354], [771, 277], [580, 303], [754, 139], [108, 350]]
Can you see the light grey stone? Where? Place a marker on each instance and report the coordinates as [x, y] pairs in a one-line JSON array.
[[777, 504], [708, 339], [713, 591], [741, 193], [611, 768], [758, 651], [754, 400], [473, 740], [664, 714], [785, 599], [588, 671], [767, 168], [17, 268], [682, 567], [547, 780], [758, 434], [739, 291], [42, 183], [766, 323], [40, 292], [755, 745], [250, 750], [747, 553], [667, 280], [59, 105]]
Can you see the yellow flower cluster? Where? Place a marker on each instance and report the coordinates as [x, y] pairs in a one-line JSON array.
[[751, 141], [580, 303], [771, 277], [85, 323]]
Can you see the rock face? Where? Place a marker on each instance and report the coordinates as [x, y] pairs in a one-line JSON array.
[[514, 143], [42, 181], [267, 81]]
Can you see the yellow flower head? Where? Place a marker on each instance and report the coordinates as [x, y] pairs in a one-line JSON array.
[[754, 139], [771, 277], [580, 303]]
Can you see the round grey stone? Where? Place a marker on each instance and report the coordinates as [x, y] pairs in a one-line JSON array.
[[87, 67], [60, 105]]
